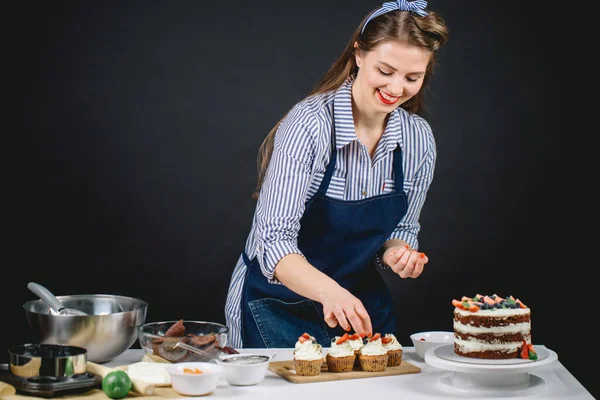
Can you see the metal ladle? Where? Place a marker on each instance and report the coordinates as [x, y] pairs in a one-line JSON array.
[[52, 301], [231, 359]]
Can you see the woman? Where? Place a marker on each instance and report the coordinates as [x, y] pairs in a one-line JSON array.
[[343, 178]]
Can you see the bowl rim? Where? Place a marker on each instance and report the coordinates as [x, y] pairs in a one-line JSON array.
[[142, 303], [414, 337], [258, 364], [152, 335], [211, 368]]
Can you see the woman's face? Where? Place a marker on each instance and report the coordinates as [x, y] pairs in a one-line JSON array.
[[389, 75]]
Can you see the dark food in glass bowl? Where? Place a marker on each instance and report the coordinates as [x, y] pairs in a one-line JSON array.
[[164, 345]]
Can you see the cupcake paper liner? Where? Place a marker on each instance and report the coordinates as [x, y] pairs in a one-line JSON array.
[[340, 364], [373, 363], [394, 358], [308, 367]]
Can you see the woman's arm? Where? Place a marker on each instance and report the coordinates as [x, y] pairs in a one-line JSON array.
[[400, 252], [280, 207], [339, 305]]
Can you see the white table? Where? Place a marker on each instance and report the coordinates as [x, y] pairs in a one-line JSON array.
[[558, 383]]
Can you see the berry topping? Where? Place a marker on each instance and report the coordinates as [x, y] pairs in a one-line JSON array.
[[342, 339], [483, 302], [375, 337], [386, 340]]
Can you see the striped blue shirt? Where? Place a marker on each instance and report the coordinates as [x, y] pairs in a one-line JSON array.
[[300, 156]]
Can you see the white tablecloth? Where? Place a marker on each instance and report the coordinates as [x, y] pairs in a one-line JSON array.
[[556, 383]]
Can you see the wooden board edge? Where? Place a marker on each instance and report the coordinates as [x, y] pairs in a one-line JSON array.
[[279, 368]]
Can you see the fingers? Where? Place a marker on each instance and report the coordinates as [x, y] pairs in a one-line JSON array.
[[355, 321], [340, 315], [351, 319], [331, 320], [411, 264], [351, 315], [420, 265], [365, 321], [392, 255], [400, 264]]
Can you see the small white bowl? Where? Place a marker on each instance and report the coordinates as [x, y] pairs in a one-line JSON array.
[[189, 384], [424, 341], [244, 373]]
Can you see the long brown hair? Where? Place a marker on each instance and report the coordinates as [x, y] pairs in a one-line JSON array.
[[427, 32]]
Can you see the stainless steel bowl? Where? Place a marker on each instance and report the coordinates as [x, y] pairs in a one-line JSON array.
[[108, 330], [47, 360]]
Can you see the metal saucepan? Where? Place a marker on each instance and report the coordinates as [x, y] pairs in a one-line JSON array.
[[30, 360]]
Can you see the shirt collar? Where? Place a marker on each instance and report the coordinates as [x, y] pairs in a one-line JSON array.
[[344, 121]]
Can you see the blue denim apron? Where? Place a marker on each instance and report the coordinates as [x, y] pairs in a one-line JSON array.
[[340, 238]]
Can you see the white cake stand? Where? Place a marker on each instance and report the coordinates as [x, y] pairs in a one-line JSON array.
[[483, 376]]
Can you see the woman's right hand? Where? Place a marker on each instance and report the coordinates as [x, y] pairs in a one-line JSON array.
[[343, 308]]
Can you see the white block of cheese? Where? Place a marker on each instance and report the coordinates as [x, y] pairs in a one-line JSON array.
[[150, 372]]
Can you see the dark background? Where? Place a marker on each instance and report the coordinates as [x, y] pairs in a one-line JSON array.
[[134, 128]]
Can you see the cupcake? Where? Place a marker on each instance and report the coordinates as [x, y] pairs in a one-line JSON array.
[[340, 357], [308, 356], [373, 356], [394, 349], [356, 342]]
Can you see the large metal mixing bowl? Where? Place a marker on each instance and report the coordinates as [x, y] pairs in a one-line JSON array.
[[108, 330]]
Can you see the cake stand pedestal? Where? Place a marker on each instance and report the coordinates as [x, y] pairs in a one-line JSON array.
[[473, 375]]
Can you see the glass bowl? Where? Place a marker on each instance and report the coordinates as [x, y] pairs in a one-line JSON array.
[[159, 339]]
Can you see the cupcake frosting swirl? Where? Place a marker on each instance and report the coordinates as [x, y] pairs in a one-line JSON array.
[[356, 344], [373, 348], [340, 350], [299, 343], [308, 351], [394, 344]]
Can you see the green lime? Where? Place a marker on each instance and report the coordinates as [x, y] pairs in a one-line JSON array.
[[116, 384]]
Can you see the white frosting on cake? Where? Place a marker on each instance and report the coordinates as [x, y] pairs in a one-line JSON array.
[[308, 351], [497, 312], [340, 350], [394, 344], [356, 344], [474, 345], [373, 348], [299, 343]]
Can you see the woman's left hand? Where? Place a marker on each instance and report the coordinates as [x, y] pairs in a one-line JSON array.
[[405, 262]]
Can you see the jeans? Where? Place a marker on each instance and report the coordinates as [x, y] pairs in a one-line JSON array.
[[279, 324]]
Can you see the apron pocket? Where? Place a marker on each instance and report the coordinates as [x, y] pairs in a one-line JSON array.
[[280, 324]]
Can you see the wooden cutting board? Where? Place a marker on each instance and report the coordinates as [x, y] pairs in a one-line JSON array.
[[286, 370]]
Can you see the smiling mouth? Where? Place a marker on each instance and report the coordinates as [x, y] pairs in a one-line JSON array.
[[386, 98]]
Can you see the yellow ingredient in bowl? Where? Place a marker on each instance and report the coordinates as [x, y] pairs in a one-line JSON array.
[[191, 371]]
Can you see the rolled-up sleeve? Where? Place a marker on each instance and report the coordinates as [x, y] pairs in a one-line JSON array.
[[421, 142], [283, 194]]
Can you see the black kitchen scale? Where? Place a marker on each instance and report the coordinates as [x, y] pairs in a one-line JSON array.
[[50, 386]]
